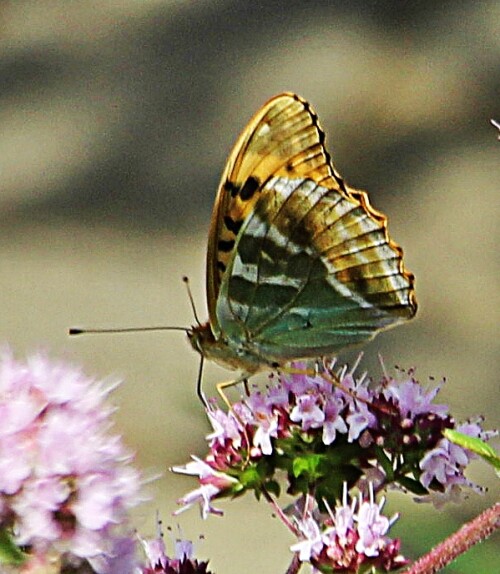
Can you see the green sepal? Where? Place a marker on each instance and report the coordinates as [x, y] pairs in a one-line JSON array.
[[475, 445], [385, 463], [412, 485], [273, 487], [312, 466], [9, 552], [250, 478], [234, 492], [362, 569]]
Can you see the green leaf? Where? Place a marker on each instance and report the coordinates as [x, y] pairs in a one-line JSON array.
[[331, 486], [9, 552], [307, 465], [250, 477], [476, 445], [412, 485]]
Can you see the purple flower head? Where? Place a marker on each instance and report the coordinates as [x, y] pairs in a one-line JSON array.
[[444, 466], [323, 428], [183, 561], [346, 540], [412, 399], [65, 481]]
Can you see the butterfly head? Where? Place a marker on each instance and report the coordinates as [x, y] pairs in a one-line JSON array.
[[201, 337], [233, 357], [204, 342]]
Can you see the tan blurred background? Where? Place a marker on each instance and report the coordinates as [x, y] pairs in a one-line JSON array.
[[115, 122]]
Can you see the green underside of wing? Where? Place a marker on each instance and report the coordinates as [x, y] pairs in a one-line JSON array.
[[286, 322]]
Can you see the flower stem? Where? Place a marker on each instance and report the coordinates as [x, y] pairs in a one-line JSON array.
[[294, 565], [279, 512], [471, 533]]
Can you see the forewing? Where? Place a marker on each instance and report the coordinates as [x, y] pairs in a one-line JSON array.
[[283, 139]]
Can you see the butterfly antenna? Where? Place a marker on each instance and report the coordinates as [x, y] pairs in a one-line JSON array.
[[191, 299], [78, 331]]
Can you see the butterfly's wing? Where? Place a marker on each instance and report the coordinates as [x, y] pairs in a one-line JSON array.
[[299, 265], [281, 138]]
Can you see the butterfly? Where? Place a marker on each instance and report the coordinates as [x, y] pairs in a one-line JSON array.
[[299, 265]]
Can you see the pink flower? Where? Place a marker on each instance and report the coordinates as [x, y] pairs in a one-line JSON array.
[[311, 544], [307, 412], [412, 399], [333, 421], [346, 540], [372, 527], [266, 429], [158, 562], [306, 428], [65, 481], [212, 483], [226, 428]]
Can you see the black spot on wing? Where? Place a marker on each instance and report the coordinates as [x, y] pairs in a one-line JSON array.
[[231, 188], [225, 246], [232, 225], [251, 185], [220, 266], [300, 235]]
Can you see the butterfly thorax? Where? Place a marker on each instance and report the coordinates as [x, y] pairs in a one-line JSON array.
[[219, 350]]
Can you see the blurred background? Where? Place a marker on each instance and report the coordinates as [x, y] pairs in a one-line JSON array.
[[115, 122]]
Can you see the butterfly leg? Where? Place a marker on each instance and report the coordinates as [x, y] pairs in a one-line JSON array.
[[221, 386], [247, 388], [325, 373], [317, 367]]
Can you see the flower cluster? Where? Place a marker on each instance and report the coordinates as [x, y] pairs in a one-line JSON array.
[[326, 429], [345, 540], [65, 481], [159, 563]]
